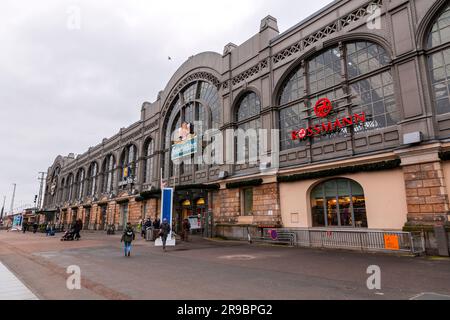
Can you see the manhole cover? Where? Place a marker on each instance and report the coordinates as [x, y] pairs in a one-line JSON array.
[[241, 257]]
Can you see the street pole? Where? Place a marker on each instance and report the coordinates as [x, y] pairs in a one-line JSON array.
[[3, 207], [12, 199], [41, 189]]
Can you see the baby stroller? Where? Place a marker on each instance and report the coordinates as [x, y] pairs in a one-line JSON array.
[[69, 235]]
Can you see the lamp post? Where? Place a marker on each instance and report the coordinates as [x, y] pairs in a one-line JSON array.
[[12, 200], [3, 208]]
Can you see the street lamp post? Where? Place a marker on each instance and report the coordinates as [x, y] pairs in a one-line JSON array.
[[12, 200], [3, 207]]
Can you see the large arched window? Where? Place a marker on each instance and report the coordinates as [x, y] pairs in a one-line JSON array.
[[128, 164], [248, 124], [70, 186], [199, 105], [61, 191], [92, 179], [54, 186], [339, 203], [149, 153], [108, 168], [370, 90], [79, 183], [439, 62]]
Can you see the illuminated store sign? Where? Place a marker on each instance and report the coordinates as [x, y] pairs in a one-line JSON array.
[[322, 109]]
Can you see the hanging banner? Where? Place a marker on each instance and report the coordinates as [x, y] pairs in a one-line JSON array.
[[167, 213], [183, 149]]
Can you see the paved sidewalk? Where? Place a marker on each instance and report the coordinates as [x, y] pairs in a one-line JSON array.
[[12, 288]]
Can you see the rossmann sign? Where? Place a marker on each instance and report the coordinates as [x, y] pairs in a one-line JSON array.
[[322, 109]]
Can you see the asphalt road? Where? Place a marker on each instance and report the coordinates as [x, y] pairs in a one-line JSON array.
[[204, 269]]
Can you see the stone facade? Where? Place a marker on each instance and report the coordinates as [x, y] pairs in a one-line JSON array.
[[427, 195], [264, 66]]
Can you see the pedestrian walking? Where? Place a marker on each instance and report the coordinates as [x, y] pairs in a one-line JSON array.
[[186, 229], [78, 226], [127, 238], [157, 223], [140, 226], [24, 227], [164, 232], [35, 227]]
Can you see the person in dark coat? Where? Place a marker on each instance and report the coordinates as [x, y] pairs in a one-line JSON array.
[[164, 232], [127, 238], [77, 228], [35, 227], [186, 229], [157, 223]]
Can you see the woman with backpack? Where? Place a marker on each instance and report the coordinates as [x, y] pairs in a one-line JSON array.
[[127, 238]]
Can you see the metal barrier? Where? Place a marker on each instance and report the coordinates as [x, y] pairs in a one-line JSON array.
[[361, 240]]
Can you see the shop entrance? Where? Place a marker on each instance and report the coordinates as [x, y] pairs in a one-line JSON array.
[[102, 220], [196, 212]]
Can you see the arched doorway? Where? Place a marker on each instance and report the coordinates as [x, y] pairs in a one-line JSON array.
[[339, 203]]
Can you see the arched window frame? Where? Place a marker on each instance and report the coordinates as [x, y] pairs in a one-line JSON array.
[[80, 183], [149, 158], [92, 179], [54, 180], [61, 191], [247, 115], [197, 99], [335, 191], [108, 168], [70, 184], [438, 61], [341, 84], [128, 160]]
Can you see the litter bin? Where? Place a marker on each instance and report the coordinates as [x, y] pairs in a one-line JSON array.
[[149, 234]]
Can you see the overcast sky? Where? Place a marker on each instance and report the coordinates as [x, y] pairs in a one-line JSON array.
[[65, 85]]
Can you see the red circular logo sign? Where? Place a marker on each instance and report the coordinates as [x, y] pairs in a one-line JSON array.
[[301, 134], [323, 107]]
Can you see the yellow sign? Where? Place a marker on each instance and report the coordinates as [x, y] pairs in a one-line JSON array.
[[125, 172], [391, 242]]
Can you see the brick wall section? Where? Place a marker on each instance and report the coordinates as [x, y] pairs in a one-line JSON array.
[[134, 212], [230, 206], [266, 209], [152, 208], [215, 206], [426, 194], [112, 214]]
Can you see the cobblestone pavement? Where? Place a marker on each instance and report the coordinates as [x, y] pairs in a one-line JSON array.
[[204, 269]]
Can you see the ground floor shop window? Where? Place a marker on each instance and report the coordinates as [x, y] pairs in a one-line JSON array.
[[339, 203], [247, 202]]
